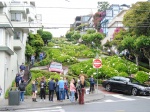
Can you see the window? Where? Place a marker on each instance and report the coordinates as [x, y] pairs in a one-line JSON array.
[[17, 35], [16, 17]]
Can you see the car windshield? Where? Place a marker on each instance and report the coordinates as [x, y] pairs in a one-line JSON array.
[[58, 66]]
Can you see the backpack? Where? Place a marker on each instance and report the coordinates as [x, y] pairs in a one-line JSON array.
[[21, 87]]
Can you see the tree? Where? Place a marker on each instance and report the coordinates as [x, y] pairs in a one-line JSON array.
[[36, 42], [29, 51], [90, 31], [76, 36], [143, 43], [87, 39], [102, 6], [108, 44], [96, 38], [129, 42], [137, 18], [46, 36], [69, 35]]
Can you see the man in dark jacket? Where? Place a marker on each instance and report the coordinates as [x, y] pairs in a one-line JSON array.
[[92, 82], [17, 79], [51, 86], [22, 67]]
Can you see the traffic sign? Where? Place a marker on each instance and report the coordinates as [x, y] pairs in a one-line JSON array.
[[97, 63]]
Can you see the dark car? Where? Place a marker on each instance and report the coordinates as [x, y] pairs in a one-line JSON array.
[[56, 67], [127, 85]]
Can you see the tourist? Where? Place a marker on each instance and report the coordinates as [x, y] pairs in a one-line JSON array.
[[82, 89], [57, 89], [61, 89], [17, 79], [32, 59], [34, 89], [0, 91], [51, 86], [66, 85], [76, 93], [22, 67], [22, 87], [72, 91], [43, 89], [41, 56], [92, 82], [21, 74]]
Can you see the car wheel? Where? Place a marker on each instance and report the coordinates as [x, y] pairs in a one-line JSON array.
[[108, 87], [134, 91]]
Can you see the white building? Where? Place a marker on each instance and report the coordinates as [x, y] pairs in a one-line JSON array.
[[115, 23], [16, 18]]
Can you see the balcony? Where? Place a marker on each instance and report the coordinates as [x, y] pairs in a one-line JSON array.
[[17, 44], [4, 21], [6, 49], [18, 7]]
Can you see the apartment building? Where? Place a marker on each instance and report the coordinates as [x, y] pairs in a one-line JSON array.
[[16, 19]]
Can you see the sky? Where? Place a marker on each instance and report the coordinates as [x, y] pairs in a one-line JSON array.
[[60, 17]]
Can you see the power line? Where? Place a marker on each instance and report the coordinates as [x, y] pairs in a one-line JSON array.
[[74, 27]]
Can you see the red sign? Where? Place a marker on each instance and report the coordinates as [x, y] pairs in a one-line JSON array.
[[97, 63]]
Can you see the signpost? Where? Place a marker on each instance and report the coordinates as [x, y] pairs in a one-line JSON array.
[[97, 63]]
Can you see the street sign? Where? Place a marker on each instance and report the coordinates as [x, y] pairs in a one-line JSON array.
[[97, 63]]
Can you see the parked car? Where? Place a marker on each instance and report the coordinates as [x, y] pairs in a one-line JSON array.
[[56, 67], [127, 85]]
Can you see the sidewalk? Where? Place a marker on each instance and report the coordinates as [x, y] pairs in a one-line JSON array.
[[29, 104]]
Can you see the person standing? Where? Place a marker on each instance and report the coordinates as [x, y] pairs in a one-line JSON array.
[[42, 89], [41, 56], [22, 67], [34, 88], [32, 59], [21, 74], [92, 82], [72, 91], [82, 91], [17, 79], [57, 89], [51, 86], [76, 93], [61, 89], [66, 85], [22, 86]]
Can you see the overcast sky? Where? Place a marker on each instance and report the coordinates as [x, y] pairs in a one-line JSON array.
[[57, 17]]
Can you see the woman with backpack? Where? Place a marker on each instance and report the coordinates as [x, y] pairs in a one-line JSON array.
[[22, 86]]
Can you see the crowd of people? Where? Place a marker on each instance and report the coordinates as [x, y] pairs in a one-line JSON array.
[[73, 90]]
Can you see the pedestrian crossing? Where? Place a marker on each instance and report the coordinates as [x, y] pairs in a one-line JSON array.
[[120, 98], [48, 109]]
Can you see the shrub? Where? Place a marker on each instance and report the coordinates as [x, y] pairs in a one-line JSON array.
[[124, 74], [141, 76]]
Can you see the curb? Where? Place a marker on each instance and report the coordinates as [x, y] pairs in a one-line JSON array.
[[11, 108]]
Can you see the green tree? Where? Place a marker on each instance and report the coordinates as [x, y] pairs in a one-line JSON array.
[[76, 36], [69, 35], [36, 42], [46, 36], [87, 39], [40, 32], [102, 6], [29, 51], [108, 44], [129, 42], [137, 18], [143, 43], [90, 31], [96, 38]]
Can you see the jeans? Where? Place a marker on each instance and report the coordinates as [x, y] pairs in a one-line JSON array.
[[61, 93], [66, 93], [72, 96], [51, 93], [21, 95]]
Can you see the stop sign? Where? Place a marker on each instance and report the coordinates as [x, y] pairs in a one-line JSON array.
[[97, 63]]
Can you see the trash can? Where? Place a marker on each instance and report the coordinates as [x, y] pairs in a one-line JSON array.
[[14, 96]]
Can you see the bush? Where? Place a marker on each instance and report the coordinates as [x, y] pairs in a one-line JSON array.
[[141, 76]]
